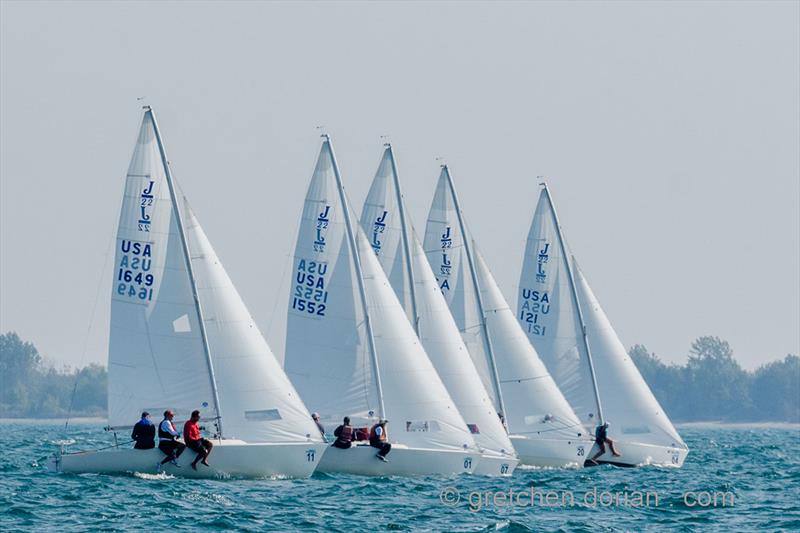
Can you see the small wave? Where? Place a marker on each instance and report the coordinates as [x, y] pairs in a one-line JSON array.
[[161, 476], [63, 442], [209, 497], [568, 466]]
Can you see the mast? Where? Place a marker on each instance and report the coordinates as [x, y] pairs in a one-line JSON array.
[[474, 275], [576, 303], [187, 257], [359, 275], [406, 241]]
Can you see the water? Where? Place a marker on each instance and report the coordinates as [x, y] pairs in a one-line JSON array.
[[756, 466]]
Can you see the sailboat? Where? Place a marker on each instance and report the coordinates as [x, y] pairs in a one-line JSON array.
[[563, 319], [542, 426], [402, 257], [351, 350], [182, 339]]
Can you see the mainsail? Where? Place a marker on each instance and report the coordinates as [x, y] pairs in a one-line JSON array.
[[157, 353], [350, 350], [531, 403], [181, 337], [403, 260], [563, 319]]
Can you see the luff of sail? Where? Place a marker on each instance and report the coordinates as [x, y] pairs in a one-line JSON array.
[[383, 221], [583, 352], [327, 348], [546, 429]]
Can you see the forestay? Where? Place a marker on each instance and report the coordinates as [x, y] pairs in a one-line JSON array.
[[534, 405], [383, 220], [328, 353]]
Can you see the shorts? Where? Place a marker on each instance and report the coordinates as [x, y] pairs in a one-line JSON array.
[[199, 446]]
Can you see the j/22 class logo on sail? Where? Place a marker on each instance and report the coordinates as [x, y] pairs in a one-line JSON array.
[[378, 227], [536, 302], [145, 204]]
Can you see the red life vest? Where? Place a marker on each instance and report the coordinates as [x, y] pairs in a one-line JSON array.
[[346, 435]]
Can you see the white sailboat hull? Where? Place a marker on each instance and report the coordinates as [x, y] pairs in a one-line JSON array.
[[229, 458], [556, 453], [492, 464], [402, 461], [637, 454]]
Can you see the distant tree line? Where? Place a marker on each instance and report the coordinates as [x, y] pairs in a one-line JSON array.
[[710, 386], [30, 388]]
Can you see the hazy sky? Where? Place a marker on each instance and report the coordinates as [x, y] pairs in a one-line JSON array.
[[669, 132]]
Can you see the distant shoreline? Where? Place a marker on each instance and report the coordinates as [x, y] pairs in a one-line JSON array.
[[53, 421], [701, 424]]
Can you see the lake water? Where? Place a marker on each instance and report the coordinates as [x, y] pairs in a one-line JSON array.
[[736, 478]]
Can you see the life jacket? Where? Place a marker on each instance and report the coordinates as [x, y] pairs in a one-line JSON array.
[[362, 434], [163, 435], [144, 435], [373, 435], [600, 433], [346, 435]]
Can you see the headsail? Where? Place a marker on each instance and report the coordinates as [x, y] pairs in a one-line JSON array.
[[157, 358], [257, 401], [556, 330], [383, 221], [628, 403], [534, 405], [328, 352]]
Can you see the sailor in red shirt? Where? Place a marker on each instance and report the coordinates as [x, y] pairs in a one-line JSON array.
[[195, 442]]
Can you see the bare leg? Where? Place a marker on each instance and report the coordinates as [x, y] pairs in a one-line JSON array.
[[613, 450], [209, 445], [600, 452], [201, 456]]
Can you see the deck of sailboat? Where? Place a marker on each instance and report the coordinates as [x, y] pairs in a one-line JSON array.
[[229, 458], [401, 461]]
